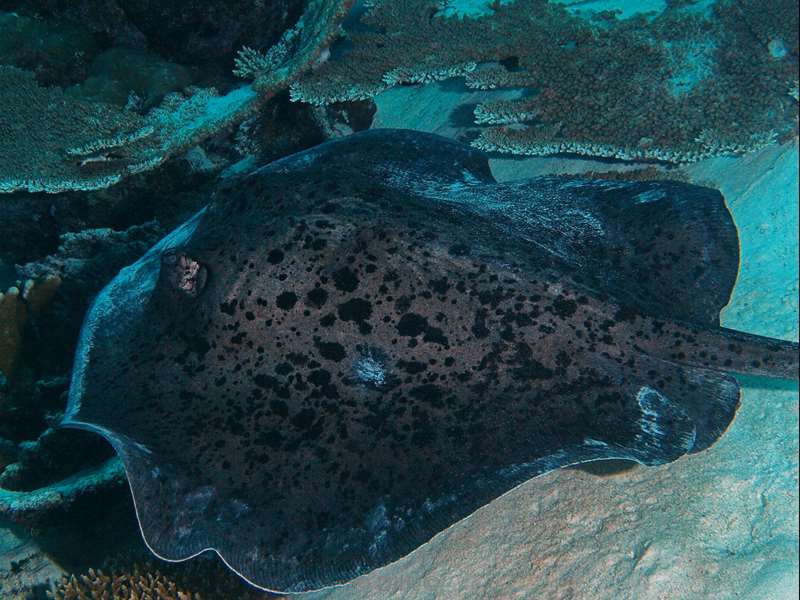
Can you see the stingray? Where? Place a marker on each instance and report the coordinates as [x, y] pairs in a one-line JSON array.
[[353, 348]]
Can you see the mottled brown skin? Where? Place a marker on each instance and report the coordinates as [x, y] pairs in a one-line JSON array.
[[335, 367]]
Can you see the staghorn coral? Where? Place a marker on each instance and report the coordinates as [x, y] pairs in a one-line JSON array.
[[97, 585], [98, 144], [173, 582], [678, 87]]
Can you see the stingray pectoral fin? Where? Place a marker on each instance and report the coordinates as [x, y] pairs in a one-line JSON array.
[[174, 512], [709, 398], [637, 242], [666, 432], [669, 240], [391, 155]]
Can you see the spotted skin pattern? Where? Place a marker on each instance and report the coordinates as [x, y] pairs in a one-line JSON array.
[[349, 354]]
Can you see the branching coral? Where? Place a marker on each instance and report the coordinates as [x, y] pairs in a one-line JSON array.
[[679, 87], [97, 585], [38, 128], [53, 142], [187, 582], [297, 50]]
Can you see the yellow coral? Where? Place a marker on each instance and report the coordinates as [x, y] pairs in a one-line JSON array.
[[13, 314], [37, 294], [15, 308], [128, 586], [191, 581]]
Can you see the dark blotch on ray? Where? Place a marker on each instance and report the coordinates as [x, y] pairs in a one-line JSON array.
[[319, 377], [345, 280], [317, 297], [286, 300], [428, 394], [229, 308], [564, 308], [412, 367], [412, 325], [280, 408], [330, 350], [355, 309]]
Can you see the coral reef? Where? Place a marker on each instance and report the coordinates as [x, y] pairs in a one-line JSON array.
[[678, 87], [40, 324], [70, 244], [265, 136], [82, 263], [34, 159], [61, 488], [97, 144], [298, 49]]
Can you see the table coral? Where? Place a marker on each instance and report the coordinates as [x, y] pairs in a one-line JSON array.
[[678, 87], [98, 144]]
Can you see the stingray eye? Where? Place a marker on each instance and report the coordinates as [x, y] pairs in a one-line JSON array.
[[182, 274], [170, 257]]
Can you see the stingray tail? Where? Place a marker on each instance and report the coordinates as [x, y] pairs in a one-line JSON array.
[[746, 353]]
